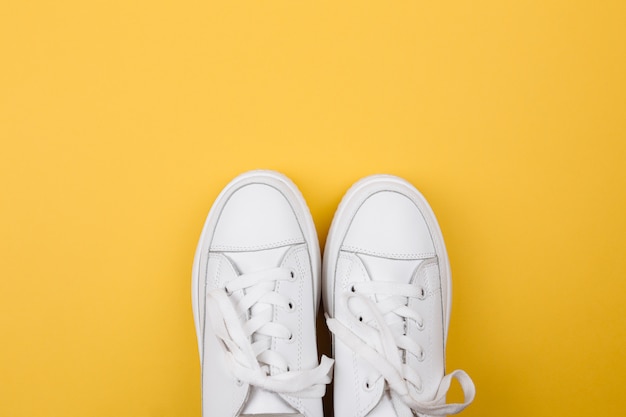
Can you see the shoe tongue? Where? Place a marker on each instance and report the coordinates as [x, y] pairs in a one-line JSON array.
[[246, 262], [266, 403], [262, 403], [390, 270], [394, 271], [272, 415], [385, 407]]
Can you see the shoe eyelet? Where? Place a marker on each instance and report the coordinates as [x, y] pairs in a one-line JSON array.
[[292, 274], [422, 295], [352, 288], [360, 318], [228, 292], [420, 326], [368, 386], [238, 382], [291, 306], [421, 356], [288, 368]]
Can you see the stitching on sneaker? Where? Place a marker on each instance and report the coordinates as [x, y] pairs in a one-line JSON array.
[[234, 248], [423, 255]]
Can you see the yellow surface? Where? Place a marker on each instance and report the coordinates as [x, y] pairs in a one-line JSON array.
[[120, 121]]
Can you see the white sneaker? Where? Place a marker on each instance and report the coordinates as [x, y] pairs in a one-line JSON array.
[[387, 298], [255, 291]]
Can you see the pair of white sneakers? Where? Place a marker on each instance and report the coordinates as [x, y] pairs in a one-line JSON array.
[[385, 281]]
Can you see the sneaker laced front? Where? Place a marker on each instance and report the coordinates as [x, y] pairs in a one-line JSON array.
[[246, 328], [376, 330]]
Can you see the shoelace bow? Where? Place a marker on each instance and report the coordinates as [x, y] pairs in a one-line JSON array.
[[383, 344], [246, 329]]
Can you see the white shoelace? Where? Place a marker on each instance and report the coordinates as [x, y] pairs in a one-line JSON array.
[[246, 330], [385, 346]]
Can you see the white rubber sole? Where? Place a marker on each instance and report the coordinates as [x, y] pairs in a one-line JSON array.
[[350, 203], [299, 207]]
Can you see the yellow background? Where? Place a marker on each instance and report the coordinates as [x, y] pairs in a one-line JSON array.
[[120, 121]]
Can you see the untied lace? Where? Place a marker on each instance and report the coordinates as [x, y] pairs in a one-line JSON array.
[[246, 330], [384, 344]]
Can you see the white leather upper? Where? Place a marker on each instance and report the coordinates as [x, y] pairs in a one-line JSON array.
[[257, 224], [300, 352], [351, 372], [256, 216], [389, 225], [385, 231]]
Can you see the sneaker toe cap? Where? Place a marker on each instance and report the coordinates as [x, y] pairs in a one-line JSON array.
[[256, 216], [389, 224]]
